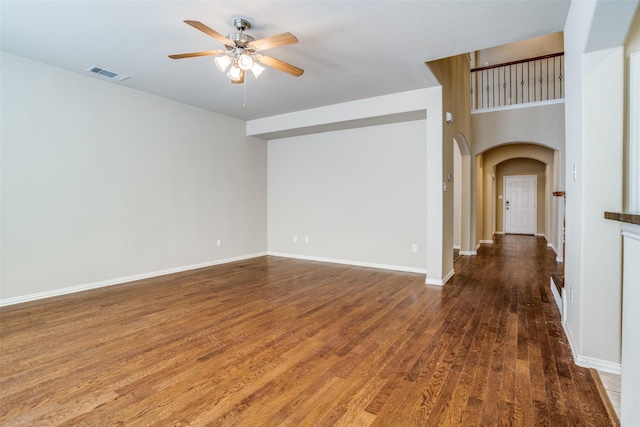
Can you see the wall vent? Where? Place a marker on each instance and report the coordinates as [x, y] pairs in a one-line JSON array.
[[107, 73]]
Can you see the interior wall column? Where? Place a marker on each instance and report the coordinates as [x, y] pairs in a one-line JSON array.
[[435, 207]]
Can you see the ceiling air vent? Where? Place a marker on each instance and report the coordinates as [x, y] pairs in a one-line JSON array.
[[107, 73]]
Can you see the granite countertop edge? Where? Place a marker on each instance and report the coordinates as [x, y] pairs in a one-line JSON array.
[[627, 217]]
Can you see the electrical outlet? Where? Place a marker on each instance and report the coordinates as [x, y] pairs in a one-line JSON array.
[[295, 239], [414, 248], [306, 239], [571, 293], [218, 242]]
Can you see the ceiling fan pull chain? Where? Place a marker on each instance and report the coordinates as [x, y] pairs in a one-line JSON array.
[[245, 94]]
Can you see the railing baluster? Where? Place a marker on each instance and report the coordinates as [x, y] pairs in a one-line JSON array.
[[522, 81], [560, 77], [504, 85], [482, 89], [529, 82], [493, 83], [498, 88], [554, 78], [471, 90], [516, 84], [541, 80], [510, 85], [547, 78]]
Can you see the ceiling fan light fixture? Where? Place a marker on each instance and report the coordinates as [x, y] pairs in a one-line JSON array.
[[234, 73], [222, 62], [245, 62], [257, 69]]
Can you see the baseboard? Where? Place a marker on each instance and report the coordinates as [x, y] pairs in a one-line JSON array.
[[559, 259], [469, 253], [120, 280], [499, 232], [456, 247], [598, 364], [440, 282], [351, 262], [591, 362], [487, 242], [557, 297]]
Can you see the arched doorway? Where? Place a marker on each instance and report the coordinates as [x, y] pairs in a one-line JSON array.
[[490, 169], [462, 205]]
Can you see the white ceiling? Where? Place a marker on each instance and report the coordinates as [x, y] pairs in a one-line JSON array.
[[349, 49]]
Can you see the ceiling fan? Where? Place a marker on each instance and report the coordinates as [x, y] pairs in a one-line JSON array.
[[243, 52]]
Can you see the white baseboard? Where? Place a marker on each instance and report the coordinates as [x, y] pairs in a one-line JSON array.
[[563, 316], [456, 246], [120, 280], [439, 282], [600, 365], [557, 297], [351, 262], [499, 232], [469, 253], [487, 242], [590, 362], [559, 259]]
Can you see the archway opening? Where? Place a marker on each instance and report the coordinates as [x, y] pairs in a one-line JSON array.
[[463, 243], [517, 158]]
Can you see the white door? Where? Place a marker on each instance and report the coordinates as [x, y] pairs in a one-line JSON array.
[[520, 204]]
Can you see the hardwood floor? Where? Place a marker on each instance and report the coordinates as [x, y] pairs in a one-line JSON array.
[[274, 341]]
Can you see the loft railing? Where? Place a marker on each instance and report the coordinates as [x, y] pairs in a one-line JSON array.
[[518, 82]]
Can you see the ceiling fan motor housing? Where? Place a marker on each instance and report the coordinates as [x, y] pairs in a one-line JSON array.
[[240, 40]]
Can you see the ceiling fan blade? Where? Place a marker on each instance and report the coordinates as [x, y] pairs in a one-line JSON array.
[[280, 65], [240, 80], [216, 35], [274, 41], [194, 54]]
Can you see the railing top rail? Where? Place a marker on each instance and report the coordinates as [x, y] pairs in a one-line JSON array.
[[537, 58]]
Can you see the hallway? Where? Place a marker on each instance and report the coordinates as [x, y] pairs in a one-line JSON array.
[[275, 341]]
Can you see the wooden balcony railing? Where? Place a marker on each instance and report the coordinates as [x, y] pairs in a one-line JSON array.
[[518, 82]]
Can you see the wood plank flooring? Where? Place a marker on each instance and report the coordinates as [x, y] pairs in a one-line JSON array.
[[273, 341]]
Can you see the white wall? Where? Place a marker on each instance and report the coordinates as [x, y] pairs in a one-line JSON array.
[[632, 118], [594, 146], [630, 388], [540, 124], [359, 195], [395, 108], [457, 196], [101, 183]]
